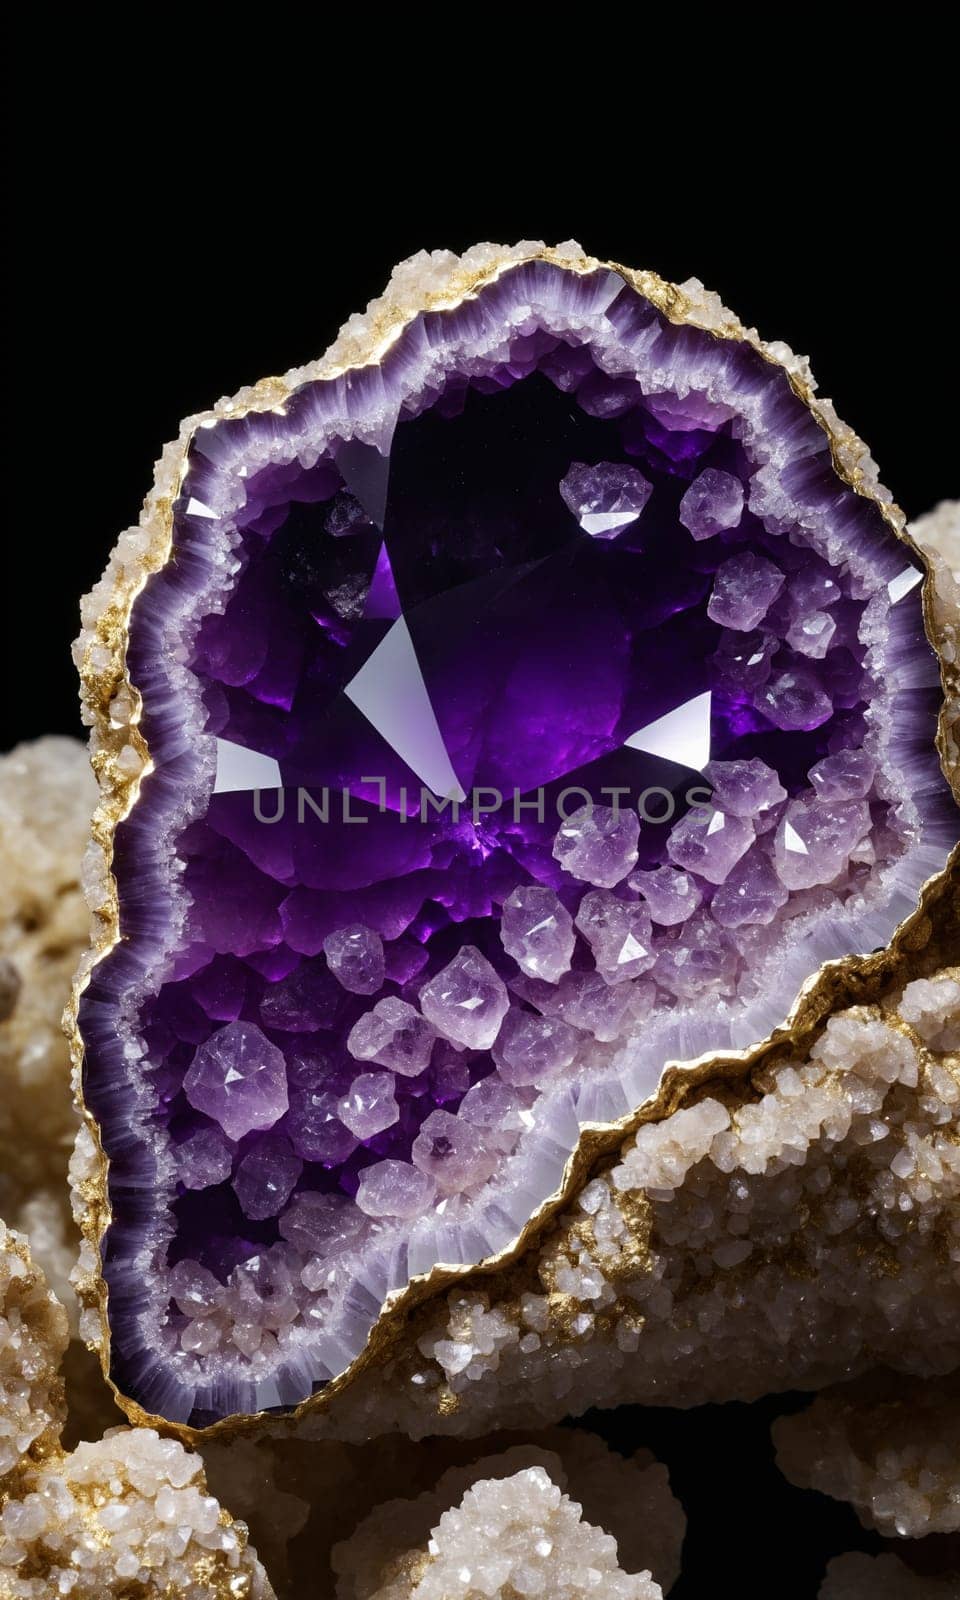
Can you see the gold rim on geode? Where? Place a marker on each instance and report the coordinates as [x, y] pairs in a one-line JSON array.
[[120, 759]]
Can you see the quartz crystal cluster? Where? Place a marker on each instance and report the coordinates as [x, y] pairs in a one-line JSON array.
[[887, 1444], [789, 1231], [861, 1577], [515, 1536], [33, 1337], [128, 1515], [46, 794], [526, 702], [515, 1518]]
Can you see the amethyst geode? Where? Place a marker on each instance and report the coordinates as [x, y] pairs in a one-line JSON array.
[[527, 707]]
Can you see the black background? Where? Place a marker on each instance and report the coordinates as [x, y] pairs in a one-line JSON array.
[[189, 219]]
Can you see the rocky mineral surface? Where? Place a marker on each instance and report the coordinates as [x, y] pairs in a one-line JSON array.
[[796, 1228], [128, 1514]]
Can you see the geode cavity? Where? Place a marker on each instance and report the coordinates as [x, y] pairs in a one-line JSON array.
[[527, 707]]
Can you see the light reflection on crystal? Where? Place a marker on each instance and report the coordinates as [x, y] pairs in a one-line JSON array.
[[498, 576]]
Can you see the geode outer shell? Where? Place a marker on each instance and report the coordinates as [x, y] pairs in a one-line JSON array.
[[558, 590]]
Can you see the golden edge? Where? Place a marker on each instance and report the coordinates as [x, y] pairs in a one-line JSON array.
[[103, 674]]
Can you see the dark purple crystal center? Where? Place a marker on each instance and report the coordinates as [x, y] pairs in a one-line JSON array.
[[439, 611]]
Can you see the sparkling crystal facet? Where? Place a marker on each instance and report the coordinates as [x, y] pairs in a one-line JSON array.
[[466, 1001], [606, 498], [239, 1078], [598, 844], [537, 930], [528, 705]]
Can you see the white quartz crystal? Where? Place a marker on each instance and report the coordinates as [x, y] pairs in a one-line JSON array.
[[888, 1445], [532, 1050], [713, 502], [598, 844], [709, 843], [128, 1514], [537, 930], [619, 934], [452, 1152], [394, 1189], [33, 1337], [355, 957], [47, 793], [395, 1035], [466, 1001], [369, 1105], [932, 1007], [391, 1549], [519, 1536], [861, 1577], [815, 838]]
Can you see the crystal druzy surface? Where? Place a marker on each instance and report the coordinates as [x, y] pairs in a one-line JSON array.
[[526, 710]]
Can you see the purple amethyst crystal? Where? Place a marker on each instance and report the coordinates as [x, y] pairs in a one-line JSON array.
[[506, 698]]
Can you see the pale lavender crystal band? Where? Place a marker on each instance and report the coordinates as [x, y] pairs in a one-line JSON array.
[[526, 711]]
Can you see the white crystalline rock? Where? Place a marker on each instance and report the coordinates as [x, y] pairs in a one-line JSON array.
[[665, 1152], [598, 844], [888, 1445], [391, 1548], [861, 1577], [127, 1515], [516, 1536], [844, 1164], [47, 793], [33, 1338], [351, 1530], [467, 1000], [939, 533], [932, 1007]]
